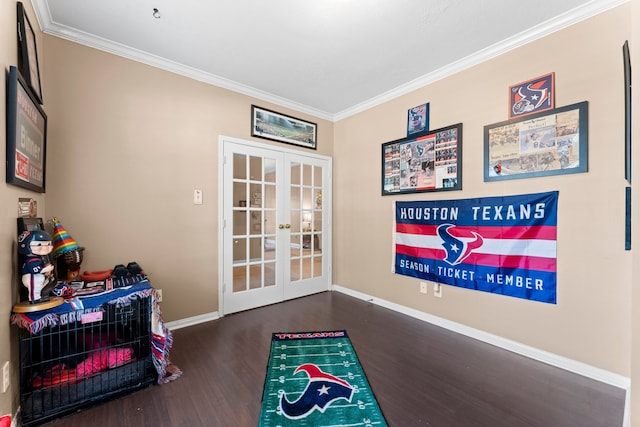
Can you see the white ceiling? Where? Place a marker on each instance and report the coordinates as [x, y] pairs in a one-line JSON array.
[[328, 58]]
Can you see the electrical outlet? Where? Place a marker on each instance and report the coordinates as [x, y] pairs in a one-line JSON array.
[[159, 292], [423, 287], [5, 376], [437, 290]]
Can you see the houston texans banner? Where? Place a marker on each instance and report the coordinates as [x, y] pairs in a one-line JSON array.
[[503, 245]]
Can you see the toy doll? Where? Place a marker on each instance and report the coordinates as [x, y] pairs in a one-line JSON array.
[[37, 271]]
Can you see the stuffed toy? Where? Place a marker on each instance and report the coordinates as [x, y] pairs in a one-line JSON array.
[[37, 271]]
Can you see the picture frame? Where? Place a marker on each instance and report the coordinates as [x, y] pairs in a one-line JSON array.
[[549, 143], [626, 59], [28, 53], [418, 119], [268, 124], [30, 224], [26, 136], [428, 162], [533, 96]]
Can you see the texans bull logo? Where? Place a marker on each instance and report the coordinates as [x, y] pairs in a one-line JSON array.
[[458, 248], [321, 390]]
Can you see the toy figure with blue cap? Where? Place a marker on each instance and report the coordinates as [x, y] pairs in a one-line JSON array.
[[37, 271]]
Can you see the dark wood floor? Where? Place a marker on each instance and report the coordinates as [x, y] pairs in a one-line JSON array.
[[422, 375]]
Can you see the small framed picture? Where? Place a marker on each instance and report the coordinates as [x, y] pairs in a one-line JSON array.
[[533, 96], [418, 119]]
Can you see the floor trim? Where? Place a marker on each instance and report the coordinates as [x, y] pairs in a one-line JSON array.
[[192, 321], [574, 366]]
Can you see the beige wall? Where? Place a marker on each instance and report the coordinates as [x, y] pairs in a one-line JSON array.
[[634, 329], [590, 322], [9, 195], [128, 144]]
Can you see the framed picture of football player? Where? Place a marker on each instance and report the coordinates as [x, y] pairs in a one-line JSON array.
[[418, 119]]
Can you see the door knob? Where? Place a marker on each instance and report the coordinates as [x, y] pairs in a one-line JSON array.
[[281, 226], [287, 226]]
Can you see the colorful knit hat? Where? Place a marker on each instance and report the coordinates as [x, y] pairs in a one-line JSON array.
[[62, 241]]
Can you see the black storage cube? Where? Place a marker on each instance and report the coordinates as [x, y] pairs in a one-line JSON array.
[[75, 364]]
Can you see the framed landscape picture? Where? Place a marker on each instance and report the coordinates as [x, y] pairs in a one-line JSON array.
[[268, 124]]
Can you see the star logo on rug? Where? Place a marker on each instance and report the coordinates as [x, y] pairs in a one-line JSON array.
[[321, 390]]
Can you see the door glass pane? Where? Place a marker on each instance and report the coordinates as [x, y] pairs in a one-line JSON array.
[[306, 268], [295, 197], [317, 220], [239, 250], [269, 274], [307, 203], [306, 174], [239, 166], [255, 222], [240, 278], [295, 245], [295, 221], [317, 197], [317, 176], [317, 266], [295, 173], [239, 193], [255, 249], [255, 276], [256, 194], [239, 222], [295, 269], [270, 170], [255, 168], [270, 226], [270, 196]]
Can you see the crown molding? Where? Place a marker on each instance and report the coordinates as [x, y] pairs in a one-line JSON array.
[[569, 18], [553, 25]]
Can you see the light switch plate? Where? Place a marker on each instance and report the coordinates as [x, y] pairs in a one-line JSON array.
[[197, 197]]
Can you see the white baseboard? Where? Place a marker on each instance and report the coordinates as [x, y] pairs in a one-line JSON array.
[[574, 366], [565, 363], [191, 321]]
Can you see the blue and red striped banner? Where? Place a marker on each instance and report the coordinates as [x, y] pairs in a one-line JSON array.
[[503, 245]]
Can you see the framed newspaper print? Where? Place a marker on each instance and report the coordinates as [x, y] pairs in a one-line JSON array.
[[548, 143], [431, 161]]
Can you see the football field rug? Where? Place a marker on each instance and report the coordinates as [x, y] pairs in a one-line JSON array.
[[315, 379]]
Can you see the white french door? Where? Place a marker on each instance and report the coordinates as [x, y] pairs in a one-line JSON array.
[[276, 224]]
